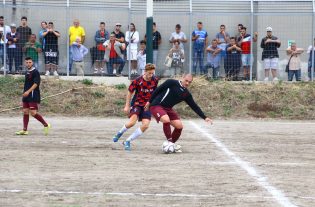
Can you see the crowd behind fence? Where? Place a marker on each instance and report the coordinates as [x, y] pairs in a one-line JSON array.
[[234, 45]]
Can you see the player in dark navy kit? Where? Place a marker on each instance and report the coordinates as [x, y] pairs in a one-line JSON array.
[[170, 93], [142, 88], [31, 97]]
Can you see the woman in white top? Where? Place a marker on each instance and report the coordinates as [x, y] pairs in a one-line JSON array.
[[132, 39], [295, 62]]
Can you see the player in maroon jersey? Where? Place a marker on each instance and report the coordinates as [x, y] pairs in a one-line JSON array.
[[142, 88]]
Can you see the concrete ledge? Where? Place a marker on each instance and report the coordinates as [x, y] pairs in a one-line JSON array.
[[109, 81]]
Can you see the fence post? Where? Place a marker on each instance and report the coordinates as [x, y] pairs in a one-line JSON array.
[[68, 38], [128, 51], [4, 43], [251, 39], [149, 31], [189, 36]]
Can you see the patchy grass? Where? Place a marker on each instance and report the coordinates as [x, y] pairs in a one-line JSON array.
[[217, 99]]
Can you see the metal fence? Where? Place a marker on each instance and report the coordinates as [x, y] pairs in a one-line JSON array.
[[291, 21]]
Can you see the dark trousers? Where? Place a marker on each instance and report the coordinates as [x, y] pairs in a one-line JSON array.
[[16, 55], [112, 61], [296, 73]]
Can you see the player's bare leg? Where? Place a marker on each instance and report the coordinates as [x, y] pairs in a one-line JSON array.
[[144, 126], [132, 121]]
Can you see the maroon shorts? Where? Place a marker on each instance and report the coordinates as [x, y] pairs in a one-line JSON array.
[[159, 111], [30, 105], [140, 112]]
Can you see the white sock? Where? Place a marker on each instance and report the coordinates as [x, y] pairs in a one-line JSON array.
[[134, 135], [123, 129]]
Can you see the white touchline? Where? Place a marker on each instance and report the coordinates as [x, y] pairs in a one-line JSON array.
[[261, 180]]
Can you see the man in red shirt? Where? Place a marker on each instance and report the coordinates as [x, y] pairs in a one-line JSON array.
[[113, 54], [142, 88], [244, 41]]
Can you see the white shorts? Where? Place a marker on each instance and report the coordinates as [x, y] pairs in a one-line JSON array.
[[247, 59], [133, 54], [271, 63]]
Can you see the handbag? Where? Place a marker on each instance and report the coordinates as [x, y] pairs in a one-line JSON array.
[[168, 61], [287, 67], [127, 43]]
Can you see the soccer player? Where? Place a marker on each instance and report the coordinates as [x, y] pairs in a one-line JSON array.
[[31, 97], [142, 88], [167, 95]]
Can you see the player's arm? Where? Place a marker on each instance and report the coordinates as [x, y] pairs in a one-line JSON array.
[[128, 99], [26, 93], [194, 106]]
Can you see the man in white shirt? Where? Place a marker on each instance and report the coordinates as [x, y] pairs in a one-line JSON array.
[[178, 35]]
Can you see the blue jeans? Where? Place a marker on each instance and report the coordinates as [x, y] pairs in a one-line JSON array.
[[297, 74], [2, 54], [70, 60], [198, 57], [215, 70], [112, 61]]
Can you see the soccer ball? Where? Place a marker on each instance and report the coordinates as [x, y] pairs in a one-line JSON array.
[[168, 147]]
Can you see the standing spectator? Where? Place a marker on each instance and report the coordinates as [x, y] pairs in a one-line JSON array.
[[270, 55], [200, 39], [244, 41], [232, 63], [4, 30], [100, 37], [132, 39], [157, 40], [113, 54], [178, 58], [238, 33], [78, 51], [214, 59], [295, 62], [311, 60], [178, 35], [75, 31], [44, 26], [222, 38], [51, 52], [24, 32], [32, 48], [14, 52], [142, 57]]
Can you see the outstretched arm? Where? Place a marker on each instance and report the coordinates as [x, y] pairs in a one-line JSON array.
[[194, 106]]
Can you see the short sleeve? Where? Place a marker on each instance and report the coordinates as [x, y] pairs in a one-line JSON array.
[[133, 86], [193, 33], [36, 77], [83, 31]]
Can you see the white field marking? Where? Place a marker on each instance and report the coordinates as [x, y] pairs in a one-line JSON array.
[[142, 194], [266, 122], [261, 180], [267, 164]]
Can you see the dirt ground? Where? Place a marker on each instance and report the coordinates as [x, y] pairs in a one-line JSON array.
[[232, 163]]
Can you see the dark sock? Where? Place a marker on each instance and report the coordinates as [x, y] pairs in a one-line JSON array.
[[40, 119], [26, 118], [167, 131], [176, 134]]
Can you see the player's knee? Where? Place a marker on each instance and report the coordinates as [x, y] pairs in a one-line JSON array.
[[144, 127], [33, 113], [26, 111]]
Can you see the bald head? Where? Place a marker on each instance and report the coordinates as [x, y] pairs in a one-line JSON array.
[[187, 80]]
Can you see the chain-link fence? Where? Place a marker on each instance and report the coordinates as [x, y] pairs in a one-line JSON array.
[[217, 48]]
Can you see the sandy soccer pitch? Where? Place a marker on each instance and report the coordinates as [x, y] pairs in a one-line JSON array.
[[232, 163]]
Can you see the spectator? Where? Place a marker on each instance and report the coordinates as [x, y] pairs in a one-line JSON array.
[[75, 31], [214, 59], [142, 57], [178, 58], [100, 37], [4, 30], [200, 39], [178, 35], [120, 37], [113, 54], [222, 38], [14, 52], [244, 41], [44, 26], [270, 55], [51, 52], [132, 39], [78, 51], [157, 40], [24, 32], [232, 63], [238, 34], [311, 60], [295, 62], [32, 48]]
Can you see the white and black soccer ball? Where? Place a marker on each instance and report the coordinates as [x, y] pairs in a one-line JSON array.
[[168, 147]]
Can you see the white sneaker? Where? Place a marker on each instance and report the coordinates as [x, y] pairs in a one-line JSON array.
[[55, 73], [114, 71], [47, 73], [266, 79], [275, 79], [177, 148], [95, 70]]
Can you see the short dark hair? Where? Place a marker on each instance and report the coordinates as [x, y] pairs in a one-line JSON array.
[[177, 41], [244, 28], [199, 22], [178, 26], [232, 38], [28, 58], [240, 25], [44, 22], [102, 23], [143, 42], [222, 25], [51, 23], [1, 17], [154, 24], [33, 35], [24, 17]]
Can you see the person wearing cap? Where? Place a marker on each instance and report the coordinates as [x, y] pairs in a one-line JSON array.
[[120, 37], [14, 52], [270, 55]]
